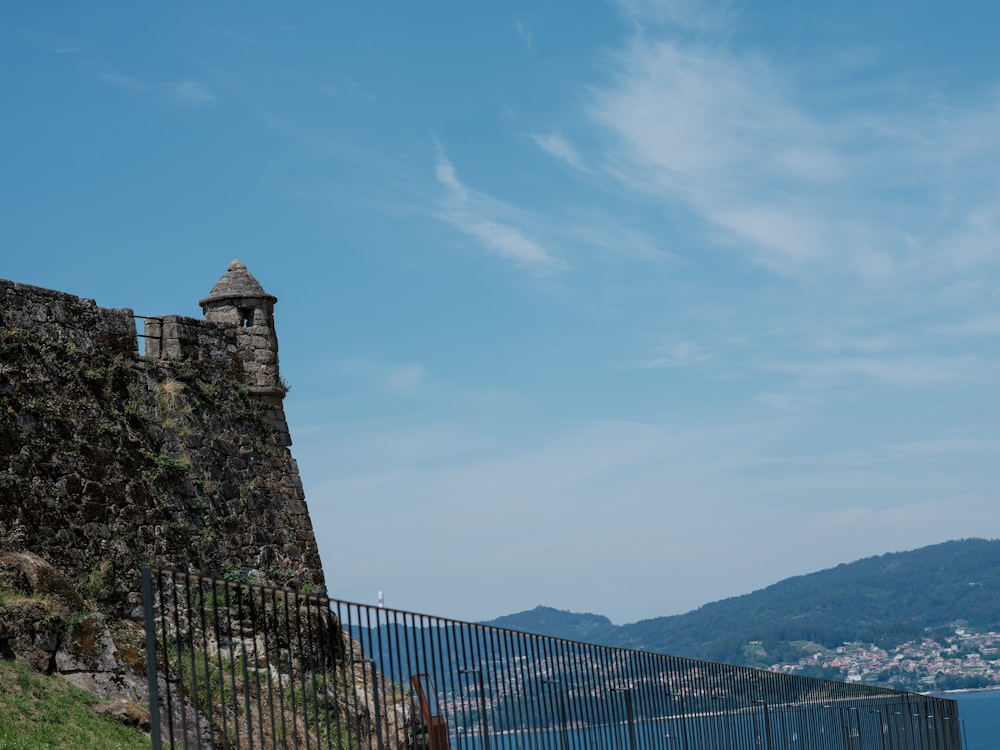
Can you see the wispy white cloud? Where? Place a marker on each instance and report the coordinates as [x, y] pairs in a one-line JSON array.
[[923, 371], [692, 15], [724, 136], [985, 326], [192, 93], [445, 173], [616, 239], [680, 354], [479, 217], [121, 81], [957, 447], [957, 136], [873, 342], [741, 141], [523, 31], [555, 144], [185, 93], [240, 37], [404, 379], [784, 401], [789, 238], [976, 238], [396, 379]]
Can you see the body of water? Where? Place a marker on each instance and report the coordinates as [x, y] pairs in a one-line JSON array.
[[979, 710]]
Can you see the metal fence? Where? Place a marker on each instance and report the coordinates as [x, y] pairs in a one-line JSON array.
[[237, 665]]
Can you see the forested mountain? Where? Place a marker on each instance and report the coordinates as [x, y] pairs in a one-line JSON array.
[[885, 600], [558, 623]]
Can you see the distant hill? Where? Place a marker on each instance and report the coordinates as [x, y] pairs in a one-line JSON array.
[[885, 600], [558, 623]]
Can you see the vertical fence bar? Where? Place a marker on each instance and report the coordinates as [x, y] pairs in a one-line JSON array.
[[512, 713], [526, 684], [409, 666], [294, 701], [487, 675], [370, 674], [349, 684], [206, 662], [273, 645], [375, 687], [604, 680], [152, 673], [216, 627], [177, 649], [164, 620], [252, 676], [186, 650]]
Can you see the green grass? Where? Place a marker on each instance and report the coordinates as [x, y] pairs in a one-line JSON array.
[[38, 712]]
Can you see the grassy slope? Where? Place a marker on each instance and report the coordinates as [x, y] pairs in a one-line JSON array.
[[38, 712]]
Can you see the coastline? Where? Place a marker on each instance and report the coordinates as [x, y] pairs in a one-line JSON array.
[[962, 690]]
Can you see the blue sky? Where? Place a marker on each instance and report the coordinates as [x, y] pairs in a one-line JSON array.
[[620, 307]]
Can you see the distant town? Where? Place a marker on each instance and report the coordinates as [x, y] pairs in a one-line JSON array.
[[961, 660]]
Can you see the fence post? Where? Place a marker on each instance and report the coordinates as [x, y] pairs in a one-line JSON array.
[[151, 670]]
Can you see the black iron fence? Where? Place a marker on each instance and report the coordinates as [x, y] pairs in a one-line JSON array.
[[237, 665]]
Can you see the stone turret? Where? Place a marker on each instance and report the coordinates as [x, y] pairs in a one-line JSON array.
[[238, 300]]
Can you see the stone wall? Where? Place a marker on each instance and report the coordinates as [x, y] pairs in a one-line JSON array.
[[110, 460], [179, 337]]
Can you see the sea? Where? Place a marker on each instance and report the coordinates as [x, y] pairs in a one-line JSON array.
[[979, 711]]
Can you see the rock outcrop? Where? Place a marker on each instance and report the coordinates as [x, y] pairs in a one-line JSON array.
[[47, 626]]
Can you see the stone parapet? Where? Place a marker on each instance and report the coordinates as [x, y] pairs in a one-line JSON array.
[[73, 321], [178, 337]]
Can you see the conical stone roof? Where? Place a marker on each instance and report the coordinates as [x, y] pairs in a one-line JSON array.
[[236, 283]]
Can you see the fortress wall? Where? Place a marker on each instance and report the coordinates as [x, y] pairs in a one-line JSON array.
[[110, 461], [66, 319]]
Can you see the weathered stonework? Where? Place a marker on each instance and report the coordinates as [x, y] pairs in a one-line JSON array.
[[110, 460]]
